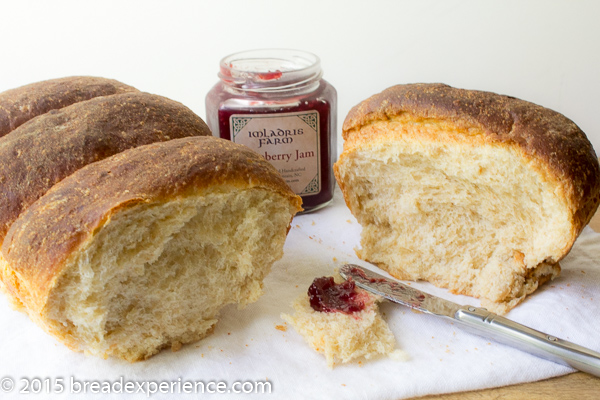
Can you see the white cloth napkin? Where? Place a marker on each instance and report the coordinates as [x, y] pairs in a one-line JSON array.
[[250, 345]]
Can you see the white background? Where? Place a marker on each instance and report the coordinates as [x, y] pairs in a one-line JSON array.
[[544, 51]]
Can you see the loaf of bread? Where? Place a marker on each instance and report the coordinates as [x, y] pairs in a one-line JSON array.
[[141, 250], [343, 337], [21, 104], [51, 146], [477, 192]]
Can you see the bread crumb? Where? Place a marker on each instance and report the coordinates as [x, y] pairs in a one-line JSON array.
[[176, 346], [281, 328], [398, 355]]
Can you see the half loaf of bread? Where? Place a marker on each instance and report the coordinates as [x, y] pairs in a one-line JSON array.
[[481, 193], [141, 250], [51, 146], [21, 104]]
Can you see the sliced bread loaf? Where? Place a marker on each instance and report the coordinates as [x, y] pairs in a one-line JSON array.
[[481, 193]]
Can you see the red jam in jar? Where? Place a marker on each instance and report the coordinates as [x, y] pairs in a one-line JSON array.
[[276, 103]]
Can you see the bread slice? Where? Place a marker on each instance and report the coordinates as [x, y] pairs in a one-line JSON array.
[[343, 337], [480, 193], [21, 104], [141, 250]]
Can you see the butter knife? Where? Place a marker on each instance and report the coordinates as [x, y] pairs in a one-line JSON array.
[[478, 320]]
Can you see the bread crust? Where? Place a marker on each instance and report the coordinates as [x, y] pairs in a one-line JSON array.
[[21, 104], [53, 228], [50, 147], [552, 142]]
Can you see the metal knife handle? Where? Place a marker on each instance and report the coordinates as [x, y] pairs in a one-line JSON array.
[[488, 324]]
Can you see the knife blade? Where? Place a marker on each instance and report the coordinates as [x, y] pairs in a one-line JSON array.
[[478, 320]]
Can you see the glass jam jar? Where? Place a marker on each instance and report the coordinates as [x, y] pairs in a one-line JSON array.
[[276, 102]]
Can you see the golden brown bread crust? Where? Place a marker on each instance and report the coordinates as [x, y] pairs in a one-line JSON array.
[[556, 143], [52, 146], [55, 226], [21, 104]]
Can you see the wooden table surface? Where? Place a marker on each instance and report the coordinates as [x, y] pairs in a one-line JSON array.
[[579, 385]]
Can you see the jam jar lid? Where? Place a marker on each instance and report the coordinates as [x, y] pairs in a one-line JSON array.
[[269, 70]]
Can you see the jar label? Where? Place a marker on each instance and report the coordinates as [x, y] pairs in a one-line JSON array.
[[289, 141]]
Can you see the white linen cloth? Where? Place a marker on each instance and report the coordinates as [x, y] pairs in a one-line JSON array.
[[247, 345]]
